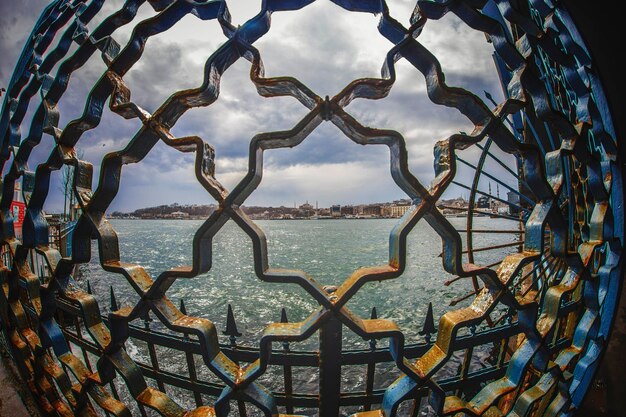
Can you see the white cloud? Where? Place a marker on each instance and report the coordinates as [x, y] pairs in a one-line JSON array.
[[324, 46], [343, 183]]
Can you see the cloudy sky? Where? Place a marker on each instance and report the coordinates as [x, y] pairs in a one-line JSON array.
[[325, 47]]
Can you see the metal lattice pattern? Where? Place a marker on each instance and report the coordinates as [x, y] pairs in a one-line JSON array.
[[573, 185]]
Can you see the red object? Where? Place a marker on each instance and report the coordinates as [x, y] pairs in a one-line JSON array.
[[18, 209]]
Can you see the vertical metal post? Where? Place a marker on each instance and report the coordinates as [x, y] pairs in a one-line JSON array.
[[504, 344], [287, 373], [193, 375], [330, 367], [288, 379], [79, 335], [465, 367], [416, 406], [371, 369], [154, 360], [191, 363]]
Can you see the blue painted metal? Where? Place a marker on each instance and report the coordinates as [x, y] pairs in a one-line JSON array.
[[548, 341]]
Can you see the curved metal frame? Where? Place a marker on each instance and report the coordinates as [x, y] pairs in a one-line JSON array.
[[562, 327]]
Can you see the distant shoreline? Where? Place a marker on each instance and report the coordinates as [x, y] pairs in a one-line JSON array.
[[305, 219]]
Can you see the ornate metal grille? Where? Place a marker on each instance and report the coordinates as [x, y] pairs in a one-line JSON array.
[[558, 290]]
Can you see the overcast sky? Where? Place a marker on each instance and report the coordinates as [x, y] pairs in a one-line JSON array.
[[325, 47]]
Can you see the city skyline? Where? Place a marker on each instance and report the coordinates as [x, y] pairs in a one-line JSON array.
[[507, 207]]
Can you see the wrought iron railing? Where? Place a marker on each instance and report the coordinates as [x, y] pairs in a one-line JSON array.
[[546, 309]]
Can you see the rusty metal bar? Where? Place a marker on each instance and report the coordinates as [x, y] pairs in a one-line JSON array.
[[330, 336], [501, 246], [458, 277], [464, 297]]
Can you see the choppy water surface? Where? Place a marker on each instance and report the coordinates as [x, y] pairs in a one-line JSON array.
[[328, 250]]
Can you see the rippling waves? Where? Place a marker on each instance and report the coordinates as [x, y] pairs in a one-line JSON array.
[[328, 250]]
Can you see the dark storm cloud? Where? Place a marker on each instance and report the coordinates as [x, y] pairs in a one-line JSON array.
[[16, 22], [161, 71]]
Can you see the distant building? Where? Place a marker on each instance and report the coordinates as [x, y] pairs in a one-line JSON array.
[[402, 202], [324, 212], [396, 210], [373, 210], [306, 210], [348, 210], [335, 210], [513, 200], [453, 207], [483, 202]]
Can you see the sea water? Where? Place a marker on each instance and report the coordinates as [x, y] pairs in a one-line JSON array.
[[327, 250]]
